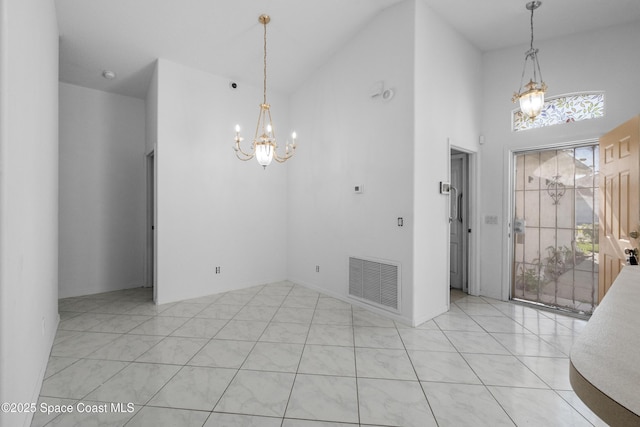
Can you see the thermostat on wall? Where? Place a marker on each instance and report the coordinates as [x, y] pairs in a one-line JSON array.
[[445, 187], [358, 189]]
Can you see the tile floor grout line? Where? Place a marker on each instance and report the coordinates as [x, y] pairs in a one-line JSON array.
[[184, 365], [245, 359], [284, 414], [424, 393], [500, 404], [486, 387], [571, 405], [355, 367]]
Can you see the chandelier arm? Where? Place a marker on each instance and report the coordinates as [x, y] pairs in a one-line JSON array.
[[287, 155], [241, 151], [278, 158], [282, 159], [246, 156], [244, 159]]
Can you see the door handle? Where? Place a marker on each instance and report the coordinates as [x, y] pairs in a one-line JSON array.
[[633, 256], [634, 234], [454, 214]]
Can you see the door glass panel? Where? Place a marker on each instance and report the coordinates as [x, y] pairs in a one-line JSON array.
[[556, 255]]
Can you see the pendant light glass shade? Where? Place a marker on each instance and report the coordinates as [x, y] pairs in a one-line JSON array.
[[532, 101], [264, 153]]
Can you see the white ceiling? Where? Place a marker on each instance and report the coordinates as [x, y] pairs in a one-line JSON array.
[[224, 37]]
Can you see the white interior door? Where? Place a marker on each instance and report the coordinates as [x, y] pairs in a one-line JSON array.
[[458, 228]]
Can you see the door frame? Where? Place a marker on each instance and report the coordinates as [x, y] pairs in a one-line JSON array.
[[151, 266], [463, 192], [509, 203], [473, 222]]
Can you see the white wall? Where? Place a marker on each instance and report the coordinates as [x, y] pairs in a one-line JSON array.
[[606, 60], [212, 209], [447, 109], [346, 138], [102, 191], [28, 198]]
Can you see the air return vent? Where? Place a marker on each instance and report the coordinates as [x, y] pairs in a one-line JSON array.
[[375, 282]]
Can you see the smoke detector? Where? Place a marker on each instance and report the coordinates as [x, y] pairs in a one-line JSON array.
[[109, 75]]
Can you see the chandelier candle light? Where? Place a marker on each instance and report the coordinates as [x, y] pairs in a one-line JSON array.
[[264, 142], [531, 99]]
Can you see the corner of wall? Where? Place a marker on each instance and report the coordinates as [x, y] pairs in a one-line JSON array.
[[446, 114], [28, 199]]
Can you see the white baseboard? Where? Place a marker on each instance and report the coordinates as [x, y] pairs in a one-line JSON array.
[[397, 317], [43, 368], [421, 320]]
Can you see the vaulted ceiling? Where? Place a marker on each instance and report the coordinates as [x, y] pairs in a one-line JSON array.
[[224, 37]]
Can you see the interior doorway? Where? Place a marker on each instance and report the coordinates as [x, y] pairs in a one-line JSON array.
[[459, 221], [150, 224]]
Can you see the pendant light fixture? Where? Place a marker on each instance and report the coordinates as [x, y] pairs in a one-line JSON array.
[[264, 142], [531, 97]]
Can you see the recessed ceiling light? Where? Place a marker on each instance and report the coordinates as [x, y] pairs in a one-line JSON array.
[[108, 74]]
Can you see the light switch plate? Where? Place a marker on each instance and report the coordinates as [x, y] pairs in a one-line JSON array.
[[491, 219]]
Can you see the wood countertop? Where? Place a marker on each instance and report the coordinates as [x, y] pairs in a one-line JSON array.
[[605, 359]]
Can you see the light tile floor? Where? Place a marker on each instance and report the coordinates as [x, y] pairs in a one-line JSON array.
[[284, 355]]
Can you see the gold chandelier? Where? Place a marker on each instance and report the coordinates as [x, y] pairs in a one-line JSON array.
[[264, 147], [531, 99]]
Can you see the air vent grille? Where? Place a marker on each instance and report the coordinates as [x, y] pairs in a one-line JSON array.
[[375, 282]]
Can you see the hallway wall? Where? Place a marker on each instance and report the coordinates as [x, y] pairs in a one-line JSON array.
[[102, 191], [28, 199]]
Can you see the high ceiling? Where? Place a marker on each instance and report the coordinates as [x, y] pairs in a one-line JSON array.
[[224, 37]]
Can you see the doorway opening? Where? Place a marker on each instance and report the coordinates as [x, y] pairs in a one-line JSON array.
[[459, 224], [555, 227], [150, 224]]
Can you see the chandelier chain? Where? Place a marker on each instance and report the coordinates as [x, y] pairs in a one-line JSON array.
[[532, 9], [264, 93]]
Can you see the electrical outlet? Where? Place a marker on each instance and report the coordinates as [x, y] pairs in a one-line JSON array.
[[217, 270], [317, 269]]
